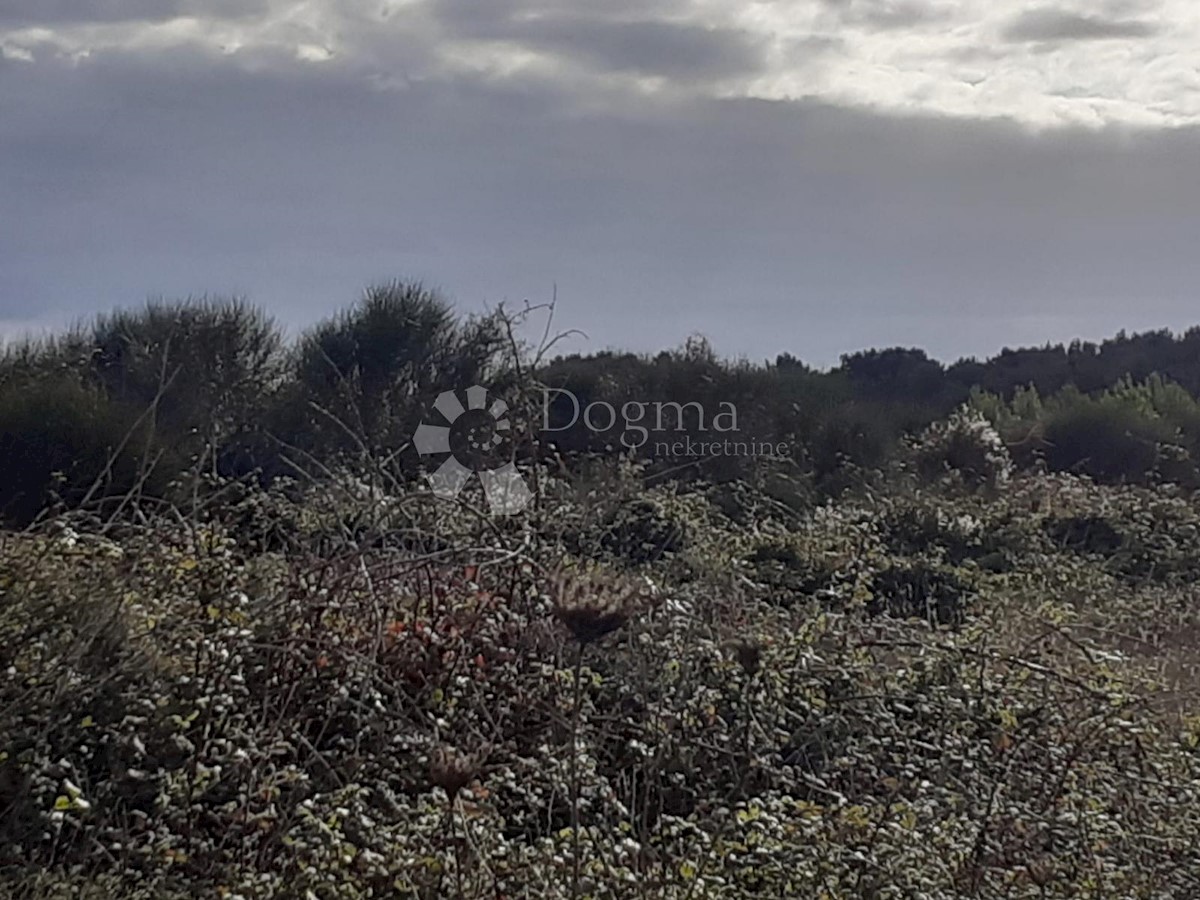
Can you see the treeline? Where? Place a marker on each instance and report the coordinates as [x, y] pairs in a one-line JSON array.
[[135, 401], [131, 403], [1123, 410], [1088, 366]]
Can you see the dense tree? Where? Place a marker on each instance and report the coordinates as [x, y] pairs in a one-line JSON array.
[[62, 439], [202, 370], [362, 379]]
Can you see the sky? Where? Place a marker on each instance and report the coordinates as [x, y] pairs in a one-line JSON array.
[[812, 176]]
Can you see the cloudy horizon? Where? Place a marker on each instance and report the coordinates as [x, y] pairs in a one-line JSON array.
[[811, 177]]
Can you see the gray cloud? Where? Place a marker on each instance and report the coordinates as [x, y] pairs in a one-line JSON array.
[[770, 226], [472, 18], [813, 46], [886, 15], [607, 39], [23, 13], [898, 55], [651, 48], [1060, 25], [19, 13]]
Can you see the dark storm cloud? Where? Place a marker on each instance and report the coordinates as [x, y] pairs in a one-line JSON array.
[[770, 226], [1060, 25]]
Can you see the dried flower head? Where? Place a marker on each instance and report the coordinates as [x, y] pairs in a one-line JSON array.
[[452, 770], [593, 604]]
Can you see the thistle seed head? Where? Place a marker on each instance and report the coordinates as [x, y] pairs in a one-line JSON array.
[[452, 770], [593, 604]]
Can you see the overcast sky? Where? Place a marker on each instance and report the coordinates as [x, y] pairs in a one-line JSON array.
[[810, 176]]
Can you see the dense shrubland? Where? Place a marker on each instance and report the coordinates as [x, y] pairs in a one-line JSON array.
[[138, 398], [854, 701], [244, 652]]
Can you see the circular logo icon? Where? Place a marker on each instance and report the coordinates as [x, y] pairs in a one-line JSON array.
[[471, 436]]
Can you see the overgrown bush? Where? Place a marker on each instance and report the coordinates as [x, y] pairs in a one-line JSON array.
[[643, 531], [339, 686], [918, 590], [1132, 432], [202, 369], [183, 713], [364, 377], [64, 441], [965, 447]]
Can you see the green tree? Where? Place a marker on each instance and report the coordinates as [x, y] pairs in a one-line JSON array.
[[203, 369], [364, 377], [61, 438]]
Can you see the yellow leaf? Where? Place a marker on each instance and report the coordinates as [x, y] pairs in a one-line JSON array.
[[749, 815], [688, 871], [62, 802], [87, 722], [856, 815], [188, 564]]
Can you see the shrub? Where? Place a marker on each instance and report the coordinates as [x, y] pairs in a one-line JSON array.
[[642, 531], [914, 529], [59, 438], [1108, 440], [204, 368], [364, 378], [1084, 533], [967, 447], [1133, 432], [786, 567], [180, 711], [918, 590], [847, 445]]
